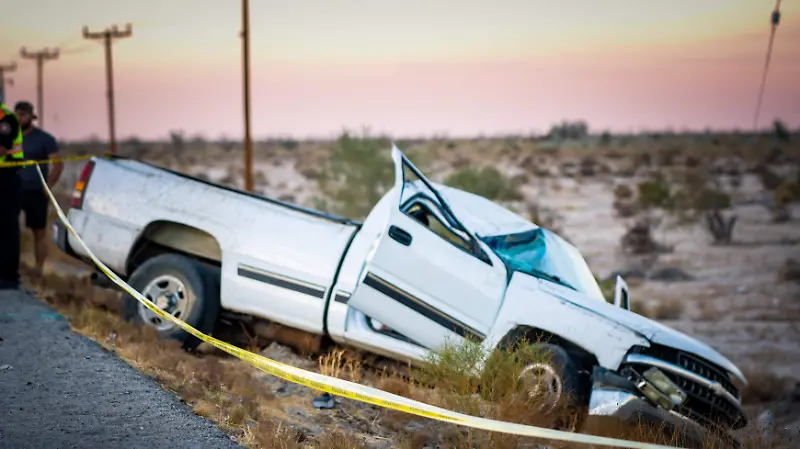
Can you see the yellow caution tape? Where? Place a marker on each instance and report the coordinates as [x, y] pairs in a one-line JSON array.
[[346, 389], [45, 161]]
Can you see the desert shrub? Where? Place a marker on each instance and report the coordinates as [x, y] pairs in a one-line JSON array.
[[638, 238], [623, 192], [653, 193], [667, 310], [698, 197], [588, 166], [288, 144], [769, 179], [358, 173], [692, 161], [625, 201], [494, 391], [782, 133], [605, 138], [574, 130], [789, 271], [487, 182], [786, 193]]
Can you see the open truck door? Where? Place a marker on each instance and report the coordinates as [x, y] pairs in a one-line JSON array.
[[427, 276]]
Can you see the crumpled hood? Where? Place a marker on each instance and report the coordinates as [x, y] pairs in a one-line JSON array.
[[650, 329]]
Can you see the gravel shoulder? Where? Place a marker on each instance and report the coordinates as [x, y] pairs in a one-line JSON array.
[[60, 389]]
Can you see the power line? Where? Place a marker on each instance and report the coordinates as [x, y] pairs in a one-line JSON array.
[[41, 56], [107, 37], [775, 19], [6, 68]]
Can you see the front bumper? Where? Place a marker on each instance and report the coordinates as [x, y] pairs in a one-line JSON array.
[[614, 396]]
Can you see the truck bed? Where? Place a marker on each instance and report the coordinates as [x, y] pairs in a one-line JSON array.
[[278, 260], [298, 208]]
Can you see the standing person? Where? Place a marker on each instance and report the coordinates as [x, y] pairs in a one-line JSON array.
[[10, 151], [37, 145]]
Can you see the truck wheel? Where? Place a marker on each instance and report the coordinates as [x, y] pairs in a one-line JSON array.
[[555, 381], [179, 285]]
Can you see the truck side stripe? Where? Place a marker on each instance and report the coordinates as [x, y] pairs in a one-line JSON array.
[[278, 280], [421, 307], [342, 297]]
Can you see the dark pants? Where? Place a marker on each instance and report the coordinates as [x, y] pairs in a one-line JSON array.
[[10, 201], [34, 205]]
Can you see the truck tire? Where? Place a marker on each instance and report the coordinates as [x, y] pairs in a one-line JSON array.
[[557, 381], [180, 285]]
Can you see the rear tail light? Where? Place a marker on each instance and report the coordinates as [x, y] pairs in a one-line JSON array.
[[80, 185]]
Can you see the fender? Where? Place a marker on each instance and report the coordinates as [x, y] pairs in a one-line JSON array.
[[528, 303]]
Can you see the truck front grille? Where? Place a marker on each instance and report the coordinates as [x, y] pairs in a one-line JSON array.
[[692, 363], [702, 404]]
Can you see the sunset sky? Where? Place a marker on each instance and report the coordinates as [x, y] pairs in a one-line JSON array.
[[413, 67]]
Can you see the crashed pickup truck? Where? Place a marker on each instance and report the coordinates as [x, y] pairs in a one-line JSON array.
[[429, 264]]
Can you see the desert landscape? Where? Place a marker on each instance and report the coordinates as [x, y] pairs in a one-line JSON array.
[[703, 227]]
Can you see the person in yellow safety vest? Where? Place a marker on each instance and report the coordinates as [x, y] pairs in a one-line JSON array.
[[10, 198]]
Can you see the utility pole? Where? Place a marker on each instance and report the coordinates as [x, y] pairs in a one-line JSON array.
[[107, 37], [775, 20], [6, 68], [40, 57], [248, 144]]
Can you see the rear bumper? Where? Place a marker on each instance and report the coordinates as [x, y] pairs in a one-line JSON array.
[[60, 235], [614, 396]]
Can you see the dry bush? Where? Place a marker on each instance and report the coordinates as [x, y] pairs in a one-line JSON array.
[[625, 209], [769, 179], [493, 392], [638, 238], [487, 181], [276, 434], [336, 439], [358, 173], [588, 166], [785, 193], [692, 161], [789, 271], [341, 363], [623, 192], [667, 310], [624, 201], [764, 387]]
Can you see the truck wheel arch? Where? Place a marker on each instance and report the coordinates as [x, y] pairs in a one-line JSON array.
[[163, 236], [584, 358]]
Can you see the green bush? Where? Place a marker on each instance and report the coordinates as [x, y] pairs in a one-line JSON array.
[[654, 193], [358, 173], [487, 182]]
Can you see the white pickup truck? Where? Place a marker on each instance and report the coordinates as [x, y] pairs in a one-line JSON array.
[[430, 263]]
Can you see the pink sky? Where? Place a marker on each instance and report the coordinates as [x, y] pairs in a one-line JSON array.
[[417, 67]]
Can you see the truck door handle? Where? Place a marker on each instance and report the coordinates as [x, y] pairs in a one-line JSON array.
[[401, 236]]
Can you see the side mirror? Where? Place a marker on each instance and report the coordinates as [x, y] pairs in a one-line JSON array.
[[621, 298]]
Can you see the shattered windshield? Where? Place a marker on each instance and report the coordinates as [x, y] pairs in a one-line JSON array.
[[543, 254]]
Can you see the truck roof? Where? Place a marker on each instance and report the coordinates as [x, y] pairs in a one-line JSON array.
[[482, 216]]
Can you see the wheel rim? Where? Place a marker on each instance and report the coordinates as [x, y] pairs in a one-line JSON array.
[[541, 382], [169, 294]]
